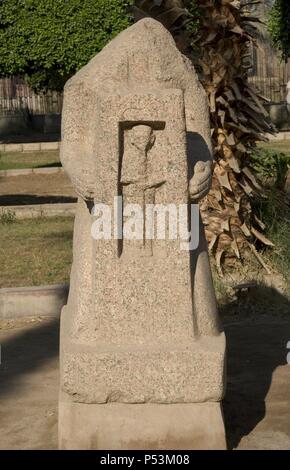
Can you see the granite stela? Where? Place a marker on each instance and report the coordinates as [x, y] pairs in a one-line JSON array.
[[142, 349]]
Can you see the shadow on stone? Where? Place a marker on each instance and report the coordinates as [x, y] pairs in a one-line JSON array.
[[197, 150]]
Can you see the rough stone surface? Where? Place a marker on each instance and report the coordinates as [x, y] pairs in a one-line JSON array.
[[141, 323], [171, 373]]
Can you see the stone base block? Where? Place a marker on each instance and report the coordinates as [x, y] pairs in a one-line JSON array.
[[188, 372], [118, 426]]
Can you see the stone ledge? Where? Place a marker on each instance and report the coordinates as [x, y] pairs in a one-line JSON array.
[[67, 209], [30, 171], [283, 135], [19, 302], [30, 147]]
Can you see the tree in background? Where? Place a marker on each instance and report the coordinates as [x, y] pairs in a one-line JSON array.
[[47, 41], [279, 26], [216, 35]]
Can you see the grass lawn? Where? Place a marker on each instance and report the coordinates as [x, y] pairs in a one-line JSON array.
[[18, 160], [39, 252], [35, 251], [277, 146]]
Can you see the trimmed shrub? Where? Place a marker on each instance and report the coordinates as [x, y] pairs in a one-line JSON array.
[[47, 41]]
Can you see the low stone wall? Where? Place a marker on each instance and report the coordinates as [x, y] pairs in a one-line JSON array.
[[30, 147], [67, 209], [30, 171], [279, 136], [21, 302]]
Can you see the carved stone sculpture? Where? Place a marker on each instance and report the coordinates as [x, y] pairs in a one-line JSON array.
[[142, 349]]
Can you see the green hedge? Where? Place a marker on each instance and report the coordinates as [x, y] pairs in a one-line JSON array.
[[279, 26], [47, 41]]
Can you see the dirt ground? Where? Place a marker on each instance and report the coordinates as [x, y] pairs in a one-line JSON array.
[[36, 189], [256, 406]]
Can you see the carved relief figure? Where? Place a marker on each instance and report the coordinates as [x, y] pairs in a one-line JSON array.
[[138, 183]]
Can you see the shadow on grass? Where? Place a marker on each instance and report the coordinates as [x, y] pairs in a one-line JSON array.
[[57, 235], [256, 346], [30, 199], [49, 165], [30, 137]]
